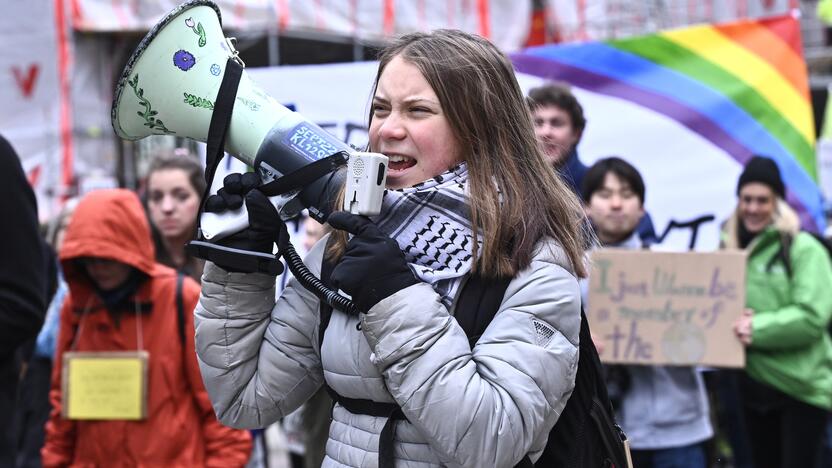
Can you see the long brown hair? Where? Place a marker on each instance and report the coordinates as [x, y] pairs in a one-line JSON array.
[[487, 112]]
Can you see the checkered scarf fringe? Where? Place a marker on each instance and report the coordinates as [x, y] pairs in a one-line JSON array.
[[431, 223]]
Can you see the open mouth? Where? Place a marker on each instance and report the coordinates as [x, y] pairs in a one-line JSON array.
[[399, 163]]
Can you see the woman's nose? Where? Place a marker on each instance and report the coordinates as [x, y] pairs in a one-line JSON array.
[[391, 128], [167, 204]]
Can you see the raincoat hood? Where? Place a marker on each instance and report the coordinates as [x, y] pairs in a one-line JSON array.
[[108, 224]]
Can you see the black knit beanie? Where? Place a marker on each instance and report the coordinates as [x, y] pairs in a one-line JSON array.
[[765, 171]]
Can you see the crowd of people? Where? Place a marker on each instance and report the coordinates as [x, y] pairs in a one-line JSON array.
[[400, 382], [774, 412]]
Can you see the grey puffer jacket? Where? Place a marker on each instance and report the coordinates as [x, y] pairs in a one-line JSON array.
[[489, 406]]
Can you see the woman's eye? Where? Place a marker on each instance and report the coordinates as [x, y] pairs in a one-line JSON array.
[[181, 195], [156, 197], [378, 109]]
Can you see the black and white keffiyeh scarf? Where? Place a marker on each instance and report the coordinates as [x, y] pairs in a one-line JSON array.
[[431, 223]]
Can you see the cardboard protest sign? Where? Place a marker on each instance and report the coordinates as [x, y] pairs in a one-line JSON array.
[[661, 308]]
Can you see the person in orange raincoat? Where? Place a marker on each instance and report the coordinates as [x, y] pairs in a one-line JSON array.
[[120, 299]]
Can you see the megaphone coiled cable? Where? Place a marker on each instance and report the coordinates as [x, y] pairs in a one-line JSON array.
[[312, 283]]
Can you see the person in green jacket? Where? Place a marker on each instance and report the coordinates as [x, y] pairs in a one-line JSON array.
[[786, 388]]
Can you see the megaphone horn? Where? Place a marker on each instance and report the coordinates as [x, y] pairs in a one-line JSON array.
[[170, 86], [170, 83]]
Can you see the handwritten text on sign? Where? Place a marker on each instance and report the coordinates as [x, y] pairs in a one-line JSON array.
[[105, 385], [667, 308]]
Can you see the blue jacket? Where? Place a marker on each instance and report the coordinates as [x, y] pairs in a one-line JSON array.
[[573, 171]]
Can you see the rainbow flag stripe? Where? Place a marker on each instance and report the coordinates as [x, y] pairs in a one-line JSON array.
[[743, 86]]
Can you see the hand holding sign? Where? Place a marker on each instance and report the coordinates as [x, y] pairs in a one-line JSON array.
[[742, 327]]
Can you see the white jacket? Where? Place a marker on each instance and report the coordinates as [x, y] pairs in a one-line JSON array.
[[486, 407]]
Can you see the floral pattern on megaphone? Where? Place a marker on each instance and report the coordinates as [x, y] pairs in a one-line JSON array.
[[149, 114], [249, 103], [196, 101], [183, 60], [198, 30]]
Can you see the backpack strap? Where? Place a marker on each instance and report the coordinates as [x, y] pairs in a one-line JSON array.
[[180, 308], [586, 431], [783, 254], [391, 411], [478, 303]]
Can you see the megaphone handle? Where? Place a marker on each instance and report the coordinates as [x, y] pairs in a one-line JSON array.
[[257, 262], [238, 260]]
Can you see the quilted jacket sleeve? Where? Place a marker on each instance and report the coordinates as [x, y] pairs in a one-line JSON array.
[[224, 446], [259, 360], [492, 405]]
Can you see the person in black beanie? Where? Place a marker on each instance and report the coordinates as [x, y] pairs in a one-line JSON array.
[[22, 285], [786, 386], [764, 170], [764, 175]]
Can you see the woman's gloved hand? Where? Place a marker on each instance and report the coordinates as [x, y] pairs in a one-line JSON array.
[[264, 224], [373, 266]]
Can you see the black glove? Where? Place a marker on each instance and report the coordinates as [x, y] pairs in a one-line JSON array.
[[264, 224], [373, 266]]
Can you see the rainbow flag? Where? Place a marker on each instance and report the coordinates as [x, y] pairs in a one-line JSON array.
[[742, 86]]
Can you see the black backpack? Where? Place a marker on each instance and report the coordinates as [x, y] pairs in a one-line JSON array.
[[585, 435]]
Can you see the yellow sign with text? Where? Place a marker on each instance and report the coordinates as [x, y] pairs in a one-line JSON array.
[[105, 385]]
